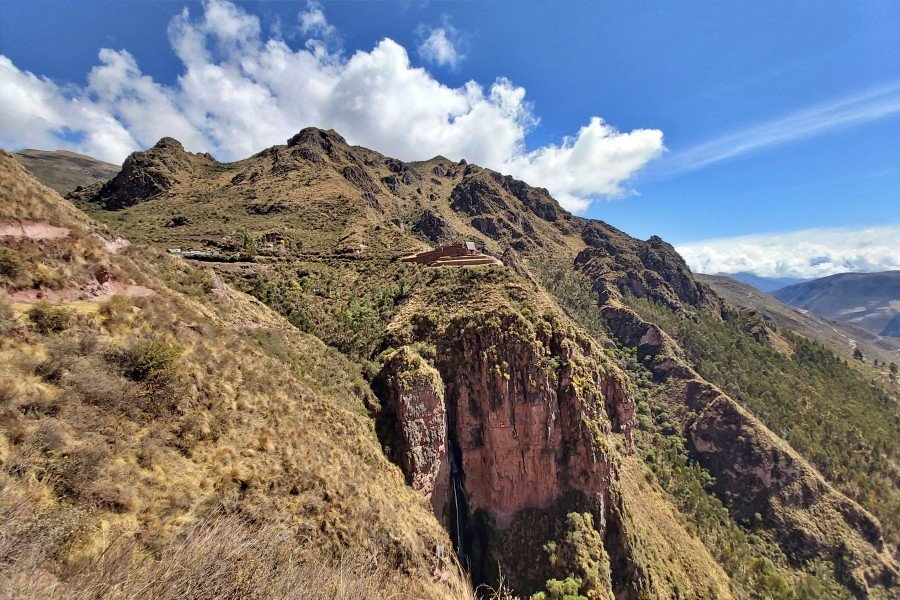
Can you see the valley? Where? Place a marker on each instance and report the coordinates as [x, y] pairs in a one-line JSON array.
[[579, 413]]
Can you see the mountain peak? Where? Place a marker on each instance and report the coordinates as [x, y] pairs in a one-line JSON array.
[[315, 136], [169, 143]]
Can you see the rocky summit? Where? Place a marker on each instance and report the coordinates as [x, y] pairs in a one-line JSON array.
[[572, 415]]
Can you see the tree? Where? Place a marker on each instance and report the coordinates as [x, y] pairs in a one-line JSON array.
[[580, 562], [858, 355], [893, 368]]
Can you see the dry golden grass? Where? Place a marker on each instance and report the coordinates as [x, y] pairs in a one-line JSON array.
[[221, 556], [124, 427]]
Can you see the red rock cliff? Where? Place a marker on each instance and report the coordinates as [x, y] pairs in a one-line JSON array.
[[513, 416]]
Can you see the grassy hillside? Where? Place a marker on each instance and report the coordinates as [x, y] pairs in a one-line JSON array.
[[63, 170], [184, 440], [842, 338], [848, 426], [867, 300]]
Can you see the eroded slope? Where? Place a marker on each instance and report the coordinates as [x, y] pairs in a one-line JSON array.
[[141, 421], [492, 354]]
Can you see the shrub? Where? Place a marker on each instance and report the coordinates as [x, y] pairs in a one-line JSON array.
[[10, 263], [116, 308], [7, 317], [111, 495], [48, 318], [147, 359]]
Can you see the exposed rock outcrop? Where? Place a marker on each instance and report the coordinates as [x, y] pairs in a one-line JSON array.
[[513, 422], [435, 228], [413, 425], [145, 175], [526, 415], [618, 263], [758, 475]]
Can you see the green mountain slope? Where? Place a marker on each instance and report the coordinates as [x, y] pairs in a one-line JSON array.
[[867, 300], [556, 432], [842, 338]]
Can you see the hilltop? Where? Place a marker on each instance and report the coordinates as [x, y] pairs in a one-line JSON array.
[[585, 417], [868, 300], [843, 338], [63, 170]]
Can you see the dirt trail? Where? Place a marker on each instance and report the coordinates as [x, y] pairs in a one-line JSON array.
[[32, 230], [93, 291], [113, 246]]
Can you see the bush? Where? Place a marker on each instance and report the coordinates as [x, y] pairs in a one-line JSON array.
[[7, 317], [48, 318], [118, 311], [150, 358], [580, 562], [152, 363], [10, 263]]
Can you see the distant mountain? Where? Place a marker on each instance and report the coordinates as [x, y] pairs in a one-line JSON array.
[[550, 401], [763, 284], [868, 300], [841, 337], [63, 170]]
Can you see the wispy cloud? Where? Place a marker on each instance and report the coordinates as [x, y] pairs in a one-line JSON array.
[[802, 253], [869, 105], [441, 45]]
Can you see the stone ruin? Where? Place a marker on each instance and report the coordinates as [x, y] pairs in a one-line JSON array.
[[457, 254]]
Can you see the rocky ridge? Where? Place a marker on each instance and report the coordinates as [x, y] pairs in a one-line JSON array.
[[490, 400]]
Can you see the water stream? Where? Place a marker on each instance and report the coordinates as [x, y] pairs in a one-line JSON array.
[[459, 508]]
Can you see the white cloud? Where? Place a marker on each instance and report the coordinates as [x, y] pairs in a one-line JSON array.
[[570, 169], [870, 105], [313, 21], [439, 45], [241, 92], [802, 253], [323, 37]]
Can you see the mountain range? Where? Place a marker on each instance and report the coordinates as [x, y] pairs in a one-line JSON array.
[[841, 337], [63, 170], [238, 349], [867, 300], [763, 284]]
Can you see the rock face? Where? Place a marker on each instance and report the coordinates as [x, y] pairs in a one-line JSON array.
[[435, 228], [524, 417], [651, 269], [788, 494], [760, 477], [148, 174], [511, 419], [413, 426]]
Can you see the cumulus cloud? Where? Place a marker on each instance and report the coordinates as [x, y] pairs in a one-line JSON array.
[[323, 36], [803, 253], [570, 169], [313, 21], [241, 91], [439, 45]]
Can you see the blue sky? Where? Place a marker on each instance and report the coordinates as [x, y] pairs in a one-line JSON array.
[[719, 120]]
